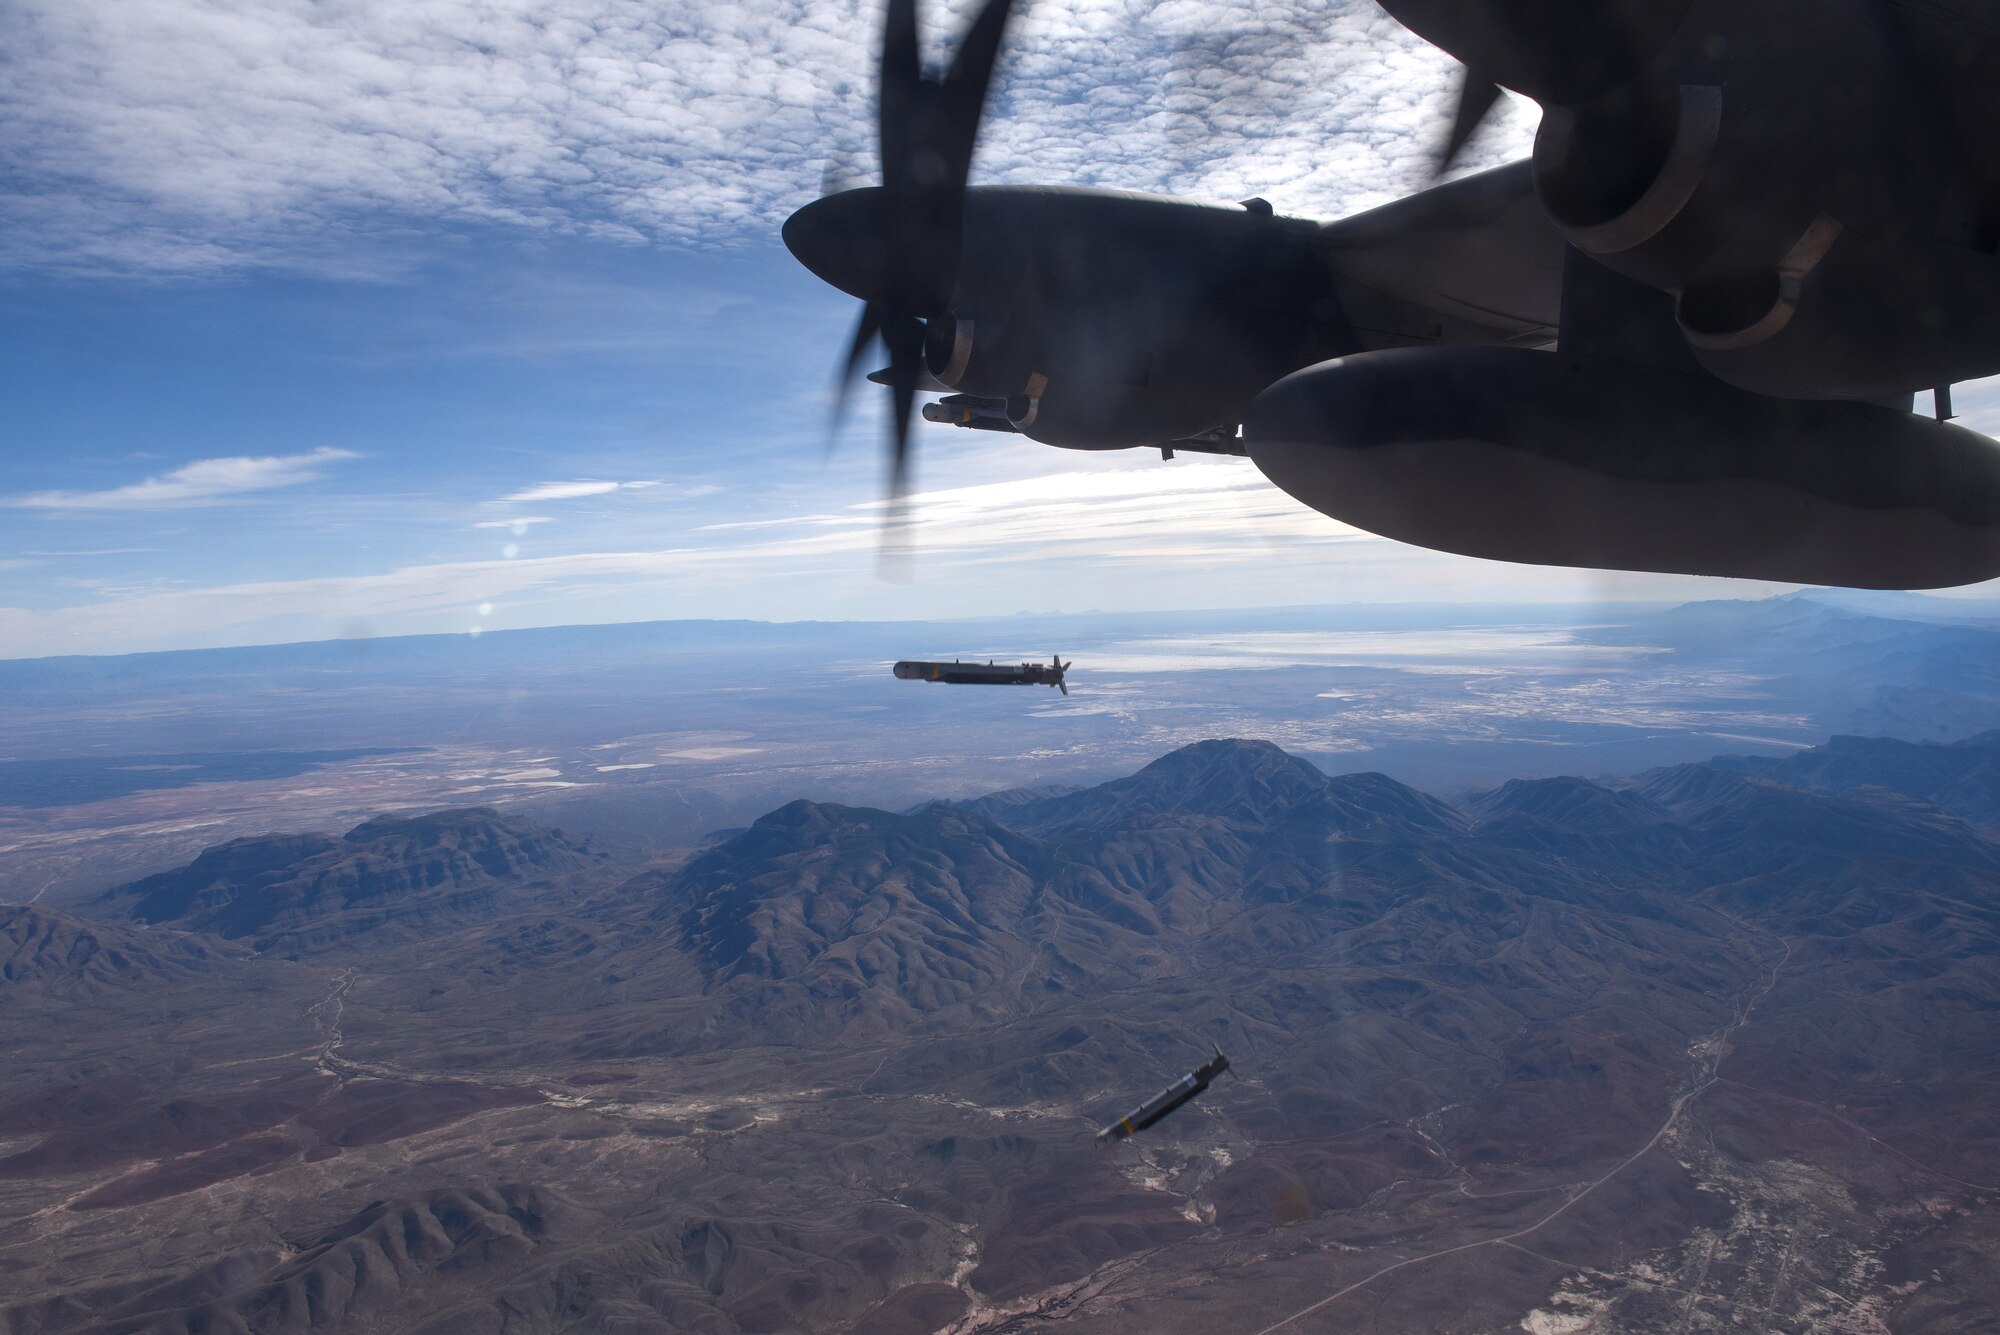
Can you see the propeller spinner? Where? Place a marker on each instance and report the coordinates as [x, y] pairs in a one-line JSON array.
[[896, 246]]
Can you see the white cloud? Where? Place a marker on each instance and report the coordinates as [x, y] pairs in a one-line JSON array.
[[570, 491], [518, 524], [1191, 533], [203, 482], [1185, 516], [95, 551], [197, 134], [559, 491]]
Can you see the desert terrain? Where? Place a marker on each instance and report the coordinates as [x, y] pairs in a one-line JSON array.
[[1713, 1046]]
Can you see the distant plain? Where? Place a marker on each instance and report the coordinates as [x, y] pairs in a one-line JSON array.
[[652, 735]]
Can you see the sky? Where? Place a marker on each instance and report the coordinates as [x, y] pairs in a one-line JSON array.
[[326, 318]]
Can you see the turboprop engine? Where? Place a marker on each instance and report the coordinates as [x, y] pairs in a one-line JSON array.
[[1101, 319]]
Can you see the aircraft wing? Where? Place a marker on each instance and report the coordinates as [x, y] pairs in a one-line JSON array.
[[1475, 260], [1978, 14]]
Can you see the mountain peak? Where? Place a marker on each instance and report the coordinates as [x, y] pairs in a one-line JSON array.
[[1693, 790], [1230, 779], [1242, 782], [430, 825], [830, 898], [1215, 776], [400, 868], [1569, 803]]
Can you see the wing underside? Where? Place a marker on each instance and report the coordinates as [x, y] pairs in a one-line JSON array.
[[1475, 260]]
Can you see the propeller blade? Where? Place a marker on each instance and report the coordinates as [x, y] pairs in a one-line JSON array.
[[898, 93], [971, 74], [941, 143], [899, 247], [1476, 96], [905, 336], [865, 330], [1554, 51], [892, 554]]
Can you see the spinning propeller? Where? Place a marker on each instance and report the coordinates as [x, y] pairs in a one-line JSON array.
[[897, 245], [1558, 52], [1476, 96]]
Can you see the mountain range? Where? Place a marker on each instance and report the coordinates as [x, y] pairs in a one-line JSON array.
[[387, 876], [1707, 1046]]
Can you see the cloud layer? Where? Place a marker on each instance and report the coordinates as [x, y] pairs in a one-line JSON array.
[[203, 134], [203, 482], [1189, 534], [1191, 517]]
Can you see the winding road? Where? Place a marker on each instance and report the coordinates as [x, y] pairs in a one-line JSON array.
[[1708, 1057]]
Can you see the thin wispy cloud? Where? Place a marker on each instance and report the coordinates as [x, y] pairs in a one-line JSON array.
[[578, 490], [518, 524], [92, 551], [1193, 517], [567, 491], [203, 134], [203, 482]]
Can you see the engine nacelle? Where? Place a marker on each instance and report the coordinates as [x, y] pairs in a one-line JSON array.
[[1105, 319], [1769, 165], [1551, 459], [1715, 161]]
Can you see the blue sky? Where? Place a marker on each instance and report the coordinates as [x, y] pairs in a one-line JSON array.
[[349, 318]]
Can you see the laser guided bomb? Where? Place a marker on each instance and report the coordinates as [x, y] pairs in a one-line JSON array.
[[988, 673], [1164, 1102]]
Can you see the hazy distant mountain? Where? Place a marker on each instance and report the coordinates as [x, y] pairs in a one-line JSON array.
[[1798, 625], [1007, 802], [1692, 791], [1960, 777], [1572, 804], [1883, 667], [392, 874]]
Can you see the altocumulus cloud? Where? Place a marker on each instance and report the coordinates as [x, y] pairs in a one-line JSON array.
[[203, 134], [203, 482]]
